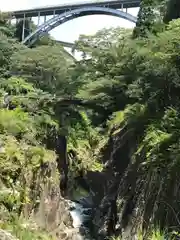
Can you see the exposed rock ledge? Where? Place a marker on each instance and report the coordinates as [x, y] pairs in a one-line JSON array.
[[54, 216], [4, 235]]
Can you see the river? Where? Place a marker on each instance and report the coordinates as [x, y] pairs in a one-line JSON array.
[[81, 211]]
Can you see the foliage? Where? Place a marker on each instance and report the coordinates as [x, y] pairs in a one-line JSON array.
[[29, 26], [7, 47], [155, 234], [44, 66], [137, 81], [154, 121], [5, 27], [24, 128], [132, 78], [86, 142], [103, 39], [150, 18], [22, 229], [32, 84]]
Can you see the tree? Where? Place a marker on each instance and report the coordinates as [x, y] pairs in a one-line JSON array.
[[150, 18], [101, 78], [28, 28], [8, 46], [5, 27], [45, 66]]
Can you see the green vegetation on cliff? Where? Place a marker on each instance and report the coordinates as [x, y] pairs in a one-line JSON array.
[[38, 127]]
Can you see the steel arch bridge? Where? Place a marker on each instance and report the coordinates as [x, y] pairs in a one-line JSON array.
[[68, 11], [57, 20]]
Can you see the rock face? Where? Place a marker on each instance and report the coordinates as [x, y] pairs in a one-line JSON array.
[[62, 218], [109, 219], [53, 215], [53, 212], [4, 235]]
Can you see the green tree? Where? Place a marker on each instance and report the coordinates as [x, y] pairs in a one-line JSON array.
[[8, 46], [45, 66], [101, 79], [5, 27], [28, 28], [150, 18]]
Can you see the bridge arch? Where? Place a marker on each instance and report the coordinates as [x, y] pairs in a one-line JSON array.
[[72, 14]]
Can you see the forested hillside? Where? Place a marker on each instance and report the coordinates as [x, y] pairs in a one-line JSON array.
[[109, 124]]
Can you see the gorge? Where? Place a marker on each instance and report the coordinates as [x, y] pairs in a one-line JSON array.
[[89, 149]]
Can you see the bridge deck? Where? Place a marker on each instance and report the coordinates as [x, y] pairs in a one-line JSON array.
[[58, 9]]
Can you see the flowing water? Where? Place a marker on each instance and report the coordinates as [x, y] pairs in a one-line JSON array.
[[81, 210], [76, 211]]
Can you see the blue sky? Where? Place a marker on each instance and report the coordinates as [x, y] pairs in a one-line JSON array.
[[71, 30]]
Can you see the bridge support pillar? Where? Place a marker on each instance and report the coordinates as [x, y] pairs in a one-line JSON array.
[[45, 19], [23, 26], [39, 15]]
